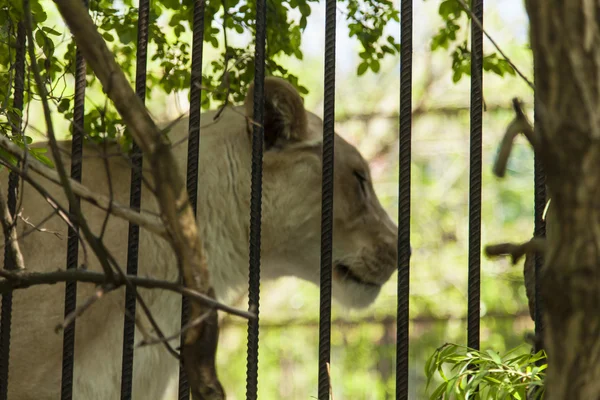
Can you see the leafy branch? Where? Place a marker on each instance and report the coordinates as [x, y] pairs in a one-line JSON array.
[[466, 373], [455, 14]]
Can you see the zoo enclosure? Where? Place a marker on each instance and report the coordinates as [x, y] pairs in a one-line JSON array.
[[404, 196]]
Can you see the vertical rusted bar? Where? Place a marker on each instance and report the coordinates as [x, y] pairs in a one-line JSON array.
[[327, 202], [13, 184], [475, 176], [256, 200], [73, 241], [539, 231], [193, 149], [135, 199], [404, 159]]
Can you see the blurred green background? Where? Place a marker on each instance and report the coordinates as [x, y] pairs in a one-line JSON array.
[[363, 344]]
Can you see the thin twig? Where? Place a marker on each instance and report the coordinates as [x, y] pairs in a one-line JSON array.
[[192, 324], [329, 376], [100, 291], [508, 60], [520, 124], [37, 227], [61, 211]]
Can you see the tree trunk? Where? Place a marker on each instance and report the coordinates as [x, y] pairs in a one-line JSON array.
[[565, 38]]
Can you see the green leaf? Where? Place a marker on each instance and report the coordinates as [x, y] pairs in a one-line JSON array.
[[495, 357], [64, 105], [50, 31], [362, 68], [108, 37], [438, 393], [450, 8], [38, 154], [375, 66], [8, 157], [40, 38]]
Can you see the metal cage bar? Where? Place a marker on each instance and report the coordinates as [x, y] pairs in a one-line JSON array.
[[13, 183], [256, 200], [539, 231], [404, 159], [404, 197], [73, 236], [327, 202], [476, 110], [135, 200], [193, 150]]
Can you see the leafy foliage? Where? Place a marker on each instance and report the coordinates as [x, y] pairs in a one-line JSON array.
[[225, 76], [455, 17], [486, 375]]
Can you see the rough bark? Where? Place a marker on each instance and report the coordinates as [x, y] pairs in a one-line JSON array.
[[565, 40]]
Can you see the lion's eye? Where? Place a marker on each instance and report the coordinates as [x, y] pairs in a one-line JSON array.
[[362, 180]]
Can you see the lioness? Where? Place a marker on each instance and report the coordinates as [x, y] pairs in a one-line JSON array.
[[364, 247]]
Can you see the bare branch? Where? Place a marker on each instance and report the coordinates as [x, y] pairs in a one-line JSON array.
[[516, 251], [520, 124], [10, 233], [14, 280]]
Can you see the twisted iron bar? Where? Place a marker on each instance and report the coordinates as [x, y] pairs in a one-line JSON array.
[[406, 39], [474, 290], [193, 152], [256, 200], [327, 202], [68, 361], [539, 231], [135, 200]]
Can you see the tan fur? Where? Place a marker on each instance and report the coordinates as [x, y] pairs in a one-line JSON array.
[[364, 240]]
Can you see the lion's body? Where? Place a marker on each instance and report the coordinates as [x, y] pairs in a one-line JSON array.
[[364, 244]]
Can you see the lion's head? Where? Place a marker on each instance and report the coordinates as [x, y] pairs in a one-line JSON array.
[[364, 237]]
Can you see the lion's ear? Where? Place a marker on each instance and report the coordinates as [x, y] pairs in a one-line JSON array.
[[285, 117]]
